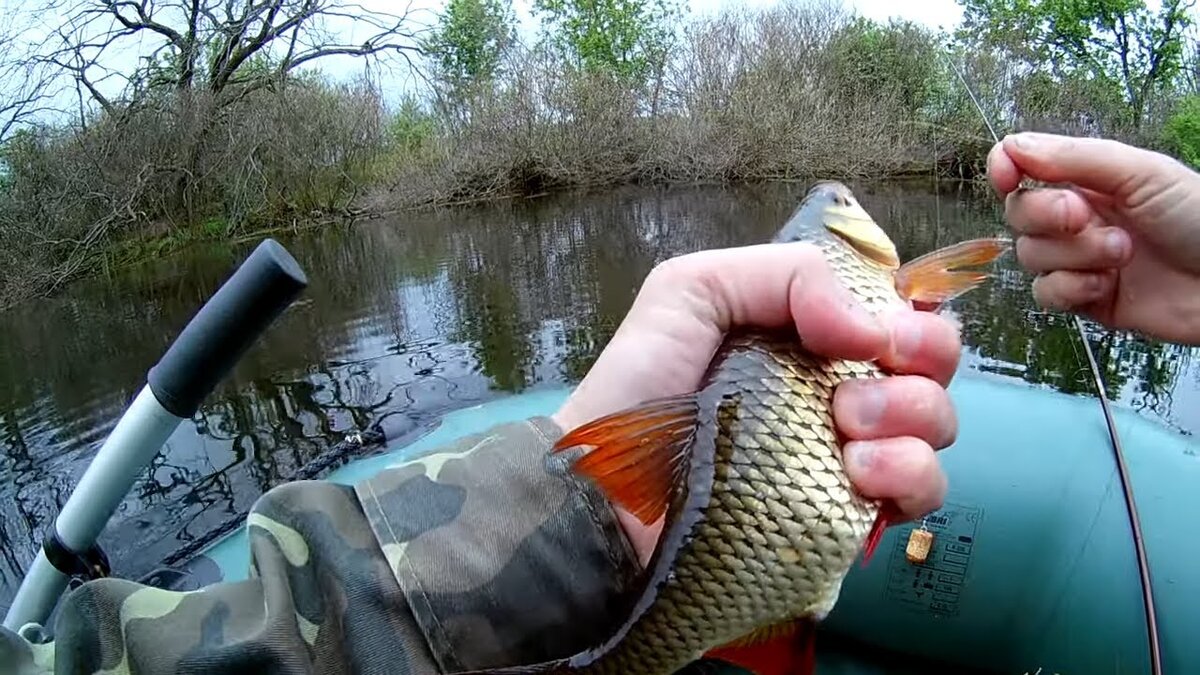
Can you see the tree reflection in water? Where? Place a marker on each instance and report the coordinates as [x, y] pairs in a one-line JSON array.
[[413, 317]]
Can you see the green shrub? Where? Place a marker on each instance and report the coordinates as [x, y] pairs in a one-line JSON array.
[[1181, 133], [410, 127], [897, 60]]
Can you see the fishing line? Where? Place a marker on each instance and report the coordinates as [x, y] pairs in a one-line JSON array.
[[1118, 451]]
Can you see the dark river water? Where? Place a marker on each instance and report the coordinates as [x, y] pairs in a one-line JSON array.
[[409, 317]]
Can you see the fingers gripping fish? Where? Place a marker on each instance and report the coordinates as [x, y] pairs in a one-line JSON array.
[[761, 521]]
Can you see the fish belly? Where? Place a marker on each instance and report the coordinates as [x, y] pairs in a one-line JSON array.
[[782, 525]]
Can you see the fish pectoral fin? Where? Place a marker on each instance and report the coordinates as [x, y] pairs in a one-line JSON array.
[[782, 649], [640, 455], [938, 276]]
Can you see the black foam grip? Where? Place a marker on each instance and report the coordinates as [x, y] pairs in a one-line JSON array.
[[225, 327], [90, 564]]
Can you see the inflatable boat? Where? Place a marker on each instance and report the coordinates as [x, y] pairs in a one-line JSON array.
[[1031, 564]]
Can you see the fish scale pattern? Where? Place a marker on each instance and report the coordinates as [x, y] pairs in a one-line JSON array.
[[871, 284], [783, 524]]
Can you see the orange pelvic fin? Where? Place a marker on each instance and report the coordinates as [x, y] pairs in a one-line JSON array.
[[783, 649], [640, 456], [939, 276]]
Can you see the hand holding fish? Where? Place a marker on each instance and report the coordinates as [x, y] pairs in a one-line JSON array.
[[688, 304], [759, 418], [1119, 242]]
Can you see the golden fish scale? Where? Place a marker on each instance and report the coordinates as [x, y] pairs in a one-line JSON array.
[[783, 524]]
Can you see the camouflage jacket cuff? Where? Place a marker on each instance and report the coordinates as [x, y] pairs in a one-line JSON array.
[[504, 556]]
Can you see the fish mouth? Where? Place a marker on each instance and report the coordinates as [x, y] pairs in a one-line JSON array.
[[831, 206]]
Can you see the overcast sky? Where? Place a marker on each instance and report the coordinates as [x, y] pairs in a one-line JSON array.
[[944, 14], [934, 13]]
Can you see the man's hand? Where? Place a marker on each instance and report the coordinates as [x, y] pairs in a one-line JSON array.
[[1120, 244], [686, 305]]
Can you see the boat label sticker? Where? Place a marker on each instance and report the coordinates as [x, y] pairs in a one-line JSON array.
[[935, 586]]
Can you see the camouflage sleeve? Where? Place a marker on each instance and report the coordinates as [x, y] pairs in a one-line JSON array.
[[486, 553]]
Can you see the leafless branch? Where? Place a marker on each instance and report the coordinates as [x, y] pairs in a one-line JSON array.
[[26, 86], [221, 43]]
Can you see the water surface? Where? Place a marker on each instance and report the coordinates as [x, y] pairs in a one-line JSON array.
[[411, 316]]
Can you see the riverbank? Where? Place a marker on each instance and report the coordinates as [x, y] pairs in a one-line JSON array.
[[795, 92], [140, 248], [408, 317], [439, 184]]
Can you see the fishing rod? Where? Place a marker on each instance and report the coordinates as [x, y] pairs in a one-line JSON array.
[[1119, 453], [266, 283]]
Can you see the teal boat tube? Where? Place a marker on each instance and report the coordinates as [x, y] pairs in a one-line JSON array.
[[1032, 564], [204, 352], [1032, 568]]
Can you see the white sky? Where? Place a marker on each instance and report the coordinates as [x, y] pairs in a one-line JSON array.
[[934, 13], [944, 14]]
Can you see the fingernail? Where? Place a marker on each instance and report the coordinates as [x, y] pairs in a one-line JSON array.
[[869, 403], [1026, 142], [860, 454], [1114, 245], [1093, 285], [1062, 210]]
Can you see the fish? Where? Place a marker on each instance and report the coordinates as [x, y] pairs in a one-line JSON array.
[[760, 522]]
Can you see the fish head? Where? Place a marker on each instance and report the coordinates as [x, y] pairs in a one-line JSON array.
[[830, 215]]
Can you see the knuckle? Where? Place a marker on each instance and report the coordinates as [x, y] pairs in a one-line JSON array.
[[925, 482], [932, 414], [1048, 292], [926, 463], [1088, 286], [1104, 246], [670, 269], [945, 344], [1031, 253]]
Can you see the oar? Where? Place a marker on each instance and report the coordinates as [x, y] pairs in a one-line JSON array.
[[207, 349]]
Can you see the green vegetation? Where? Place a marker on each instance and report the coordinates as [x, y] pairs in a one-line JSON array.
[[227, 132], [467, 47], [626, 38], [1122, 55], [1182, 131]]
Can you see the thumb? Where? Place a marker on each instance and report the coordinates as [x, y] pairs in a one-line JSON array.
[[1105, 166], [767, 286]]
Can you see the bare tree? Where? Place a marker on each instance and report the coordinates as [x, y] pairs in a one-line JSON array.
[[226, 47], [1189, 76], [25, 85]]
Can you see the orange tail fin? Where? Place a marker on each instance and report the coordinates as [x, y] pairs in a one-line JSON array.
[[936, 277], [784, 649]]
